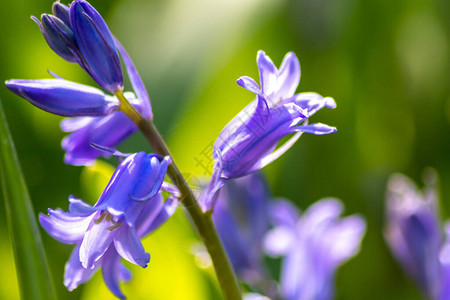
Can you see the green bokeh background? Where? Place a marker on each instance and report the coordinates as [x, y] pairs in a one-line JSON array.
[[386, 63]]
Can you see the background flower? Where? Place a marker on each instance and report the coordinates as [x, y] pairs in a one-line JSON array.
[[385, 64]]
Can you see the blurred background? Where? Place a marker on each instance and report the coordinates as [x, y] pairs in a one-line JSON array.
[[386, 63]]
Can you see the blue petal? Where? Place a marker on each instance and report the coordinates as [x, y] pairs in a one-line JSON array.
[[267, 73], [311, 102], [249, 84], [73, 124], [59, 37], [96, 241], [65, 227], [109, 131], [136, 81], [61, 11], [130, 247], [79, 208], [317, 128], [74, 273], [64, 98], [112, 272], [288, 76], [149, 224]]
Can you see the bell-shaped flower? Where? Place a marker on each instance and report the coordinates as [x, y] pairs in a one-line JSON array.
[[413, 232], [313, 246], [64, 98], [249, 141], [241, 219], [129, 208]]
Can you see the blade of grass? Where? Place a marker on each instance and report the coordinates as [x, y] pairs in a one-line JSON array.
[[30, 261]]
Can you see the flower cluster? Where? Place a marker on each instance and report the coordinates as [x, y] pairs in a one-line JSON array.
[[313, 245], [237, 198], [131, 206], [415, 235], [79, 35]]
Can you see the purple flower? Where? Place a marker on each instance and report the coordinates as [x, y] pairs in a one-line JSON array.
[[444, 260], [109, 131], [248, 143], [241, 220], [413, 233], [314, 245], [64, 98], [129, 208]]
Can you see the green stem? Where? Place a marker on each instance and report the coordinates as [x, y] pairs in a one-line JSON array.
[[203, 221]]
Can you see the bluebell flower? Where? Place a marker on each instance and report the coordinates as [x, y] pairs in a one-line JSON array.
[[313, 246], [80, 35], [130, 208], [64, 98], [241, 219], [248, 142], [414, 234], [108, 131]]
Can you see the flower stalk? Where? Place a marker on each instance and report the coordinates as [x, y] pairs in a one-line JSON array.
[[203, 221]]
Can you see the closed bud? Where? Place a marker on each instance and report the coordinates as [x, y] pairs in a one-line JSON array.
[[61, 11], [59, 37], [64, 98], [96, 45]]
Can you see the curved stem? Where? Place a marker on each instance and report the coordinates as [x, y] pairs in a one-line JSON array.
[[203, 221]]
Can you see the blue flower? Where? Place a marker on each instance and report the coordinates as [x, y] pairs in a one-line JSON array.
[[248, 142], [130, 208], [414, 234], [64, 98], [314, 245], [241, 220]]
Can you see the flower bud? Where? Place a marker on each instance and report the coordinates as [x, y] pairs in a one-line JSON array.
[[59, 37], [61, 11], [96, 45], [64, 98]]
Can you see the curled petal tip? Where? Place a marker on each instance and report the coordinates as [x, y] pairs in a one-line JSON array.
[[330, 103]]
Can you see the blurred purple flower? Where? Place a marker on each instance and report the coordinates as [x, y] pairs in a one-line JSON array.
[[129, 208], [241, 220], [313, 245], [414, 235], [248, 141]]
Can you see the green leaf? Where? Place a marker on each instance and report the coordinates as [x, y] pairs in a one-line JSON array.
[[31, 264]]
